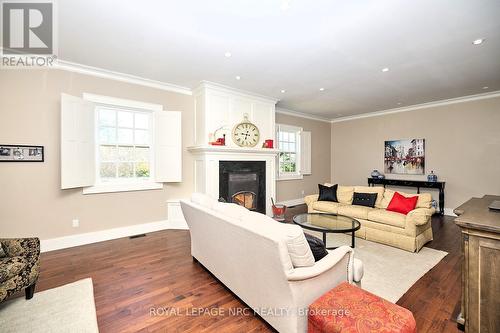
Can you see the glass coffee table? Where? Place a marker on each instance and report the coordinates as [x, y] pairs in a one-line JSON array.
[[328, 223]]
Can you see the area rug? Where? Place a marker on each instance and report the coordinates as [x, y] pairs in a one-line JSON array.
[[69, 308], [388, 271]]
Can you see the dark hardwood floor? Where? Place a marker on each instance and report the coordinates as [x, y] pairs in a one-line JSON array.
[[151, 283]]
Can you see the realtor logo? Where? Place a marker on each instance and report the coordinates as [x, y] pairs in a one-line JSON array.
[[27, 29]]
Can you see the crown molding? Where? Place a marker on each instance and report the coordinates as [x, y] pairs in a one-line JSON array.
[[107, 74], [292, 113], [415, 107], [227, 89]]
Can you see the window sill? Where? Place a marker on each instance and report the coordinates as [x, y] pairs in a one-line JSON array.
[[127, 187], [290, 177]]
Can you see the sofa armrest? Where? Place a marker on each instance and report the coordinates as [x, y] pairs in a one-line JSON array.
[[311, 198], [332, 259], [420, 216], [26, 247]]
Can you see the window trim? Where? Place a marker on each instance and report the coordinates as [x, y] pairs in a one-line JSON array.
[[297, 175], [123, 186]]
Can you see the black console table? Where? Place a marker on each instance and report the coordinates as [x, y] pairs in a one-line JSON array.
[[412, 183]]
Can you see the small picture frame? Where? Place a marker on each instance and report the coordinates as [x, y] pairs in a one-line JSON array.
[[21, 153]]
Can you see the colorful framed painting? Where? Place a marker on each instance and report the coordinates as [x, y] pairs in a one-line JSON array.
[[405, 157], [20, 153]]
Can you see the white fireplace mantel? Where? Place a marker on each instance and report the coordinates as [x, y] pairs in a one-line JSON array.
[[217, 106], [232, 150]]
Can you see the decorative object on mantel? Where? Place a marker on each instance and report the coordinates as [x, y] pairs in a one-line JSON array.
[[246, 134], [432, 177], [219, 141], [269, 143], [20, 153], [278, 211], [405, 157]]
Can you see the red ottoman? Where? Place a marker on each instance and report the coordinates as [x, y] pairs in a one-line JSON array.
[[348, 309]]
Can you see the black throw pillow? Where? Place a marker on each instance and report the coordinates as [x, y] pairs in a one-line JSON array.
[[317, 247], [364, 199], [328, 193]]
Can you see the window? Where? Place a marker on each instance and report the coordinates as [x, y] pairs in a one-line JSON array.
[[112, 145], [124, 151], [288, 138]]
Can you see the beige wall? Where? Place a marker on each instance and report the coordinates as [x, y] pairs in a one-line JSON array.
[[30, 196], [320, 155], [462, 146]]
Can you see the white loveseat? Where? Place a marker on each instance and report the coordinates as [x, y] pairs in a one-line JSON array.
[[250, 254]]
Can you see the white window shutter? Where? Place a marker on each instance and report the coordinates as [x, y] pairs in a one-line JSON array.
[[77, 142], [168, 147], [305, 152]]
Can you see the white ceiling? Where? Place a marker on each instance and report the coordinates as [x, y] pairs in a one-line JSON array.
[[340, 46]]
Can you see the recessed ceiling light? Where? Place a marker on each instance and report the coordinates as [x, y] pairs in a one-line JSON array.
[[385, 69], [238, 77], [227, 54], [485, 88], [321, 89], [283, 91], [478, 41]]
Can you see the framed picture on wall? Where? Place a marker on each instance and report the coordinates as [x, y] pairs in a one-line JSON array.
[[20, 153], [405, 157]]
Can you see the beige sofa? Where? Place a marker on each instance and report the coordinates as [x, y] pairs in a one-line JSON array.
[[408, 232]]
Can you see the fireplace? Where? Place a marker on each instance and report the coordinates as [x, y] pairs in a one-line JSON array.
[[243, 183]]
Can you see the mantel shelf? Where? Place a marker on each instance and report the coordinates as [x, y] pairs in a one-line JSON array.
[[235, 150]]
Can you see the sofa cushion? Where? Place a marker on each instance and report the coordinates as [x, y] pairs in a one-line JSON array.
[[364, 199], [387, 217], [230, 210], [326, 206], [293, 236], [368, 189], [328, 193], [203, 200], [317, 246], [424, 199], [10, 267], [344, 194], [298, 248], [357, 212]]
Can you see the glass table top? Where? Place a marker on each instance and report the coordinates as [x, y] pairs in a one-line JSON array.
[[326, 222]]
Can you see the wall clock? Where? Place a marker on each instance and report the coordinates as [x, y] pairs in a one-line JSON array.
[[246, 134]]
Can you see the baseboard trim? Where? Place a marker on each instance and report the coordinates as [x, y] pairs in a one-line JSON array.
[[292, 202], [59, 243]]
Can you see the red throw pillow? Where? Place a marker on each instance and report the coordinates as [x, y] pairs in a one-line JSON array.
[[402, 204]]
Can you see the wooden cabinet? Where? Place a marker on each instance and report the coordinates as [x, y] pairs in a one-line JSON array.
[[480, 227]]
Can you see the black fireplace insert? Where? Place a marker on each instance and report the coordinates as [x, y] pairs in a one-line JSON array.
[[244, 183]]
